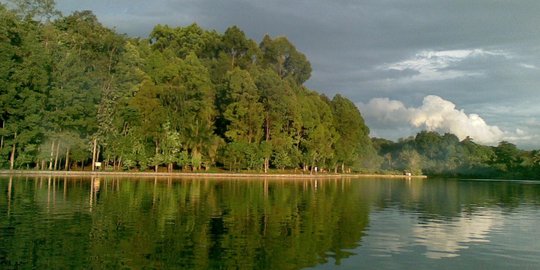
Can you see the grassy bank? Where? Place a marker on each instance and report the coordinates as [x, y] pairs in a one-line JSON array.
[[196, 175]]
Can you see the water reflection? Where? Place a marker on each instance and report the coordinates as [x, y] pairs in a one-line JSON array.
[[54, 222], [446, 239], [163, 223]]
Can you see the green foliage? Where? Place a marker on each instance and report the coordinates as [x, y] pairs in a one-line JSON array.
[[283, 57], [190, 98], [244, 112], [36, 9], [354, 148], [444, 155]]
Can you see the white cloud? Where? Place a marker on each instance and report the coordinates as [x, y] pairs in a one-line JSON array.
[[441, 65], [435, 114], [386, 111], [528, 66]]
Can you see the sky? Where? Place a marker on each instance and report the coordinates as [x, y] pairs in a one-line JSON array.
[[469, 67]]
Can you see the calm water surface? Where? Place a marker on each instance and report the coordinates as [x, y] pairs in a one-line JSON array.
[[111, 223]]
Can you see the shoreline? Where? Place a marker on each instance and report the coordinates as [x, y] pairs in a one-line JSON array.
[[199, 175]]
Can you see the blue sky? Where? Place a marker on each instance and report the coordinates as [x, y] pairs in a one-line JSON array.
[[470, 67]]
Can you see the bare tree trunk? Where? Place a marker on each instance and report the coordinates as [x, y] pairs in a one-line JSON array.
[[107, 159], [267, 129], [98, 152], [94, 148], [12, 156], [67, 160], [2, 140], [52, 155], [56, 155], [342, 167], [233, 54], [157, 152]]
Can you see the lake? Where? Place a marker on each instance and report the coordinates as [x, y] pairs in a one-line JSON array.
[[367, 223]]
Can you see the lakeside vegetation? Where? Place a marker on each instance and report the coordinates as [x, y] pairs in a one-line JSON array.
[[74, 92]]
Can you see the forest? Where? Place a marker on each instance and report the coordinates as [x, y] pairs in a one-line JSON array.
[[74, 93]]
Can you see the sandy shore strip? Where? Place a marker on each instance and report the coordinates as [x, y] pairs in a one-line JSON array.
[[196, 175]]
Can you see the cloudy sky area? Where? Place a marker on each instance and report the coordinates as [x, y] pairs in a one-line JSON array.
[[460, 66]]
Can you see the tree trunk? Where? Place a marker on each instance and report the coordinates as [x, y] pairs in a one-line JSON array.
[[12, 156], [267, 130], [52, 156], [66, 167], [98, 152], [56, 155], [233, 56], [94, 148], [342, 167], [2, 140], [157, 152]]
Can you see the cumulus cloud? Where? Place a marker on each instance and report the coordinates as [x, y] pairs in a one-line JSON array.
[[435, 114], [429, 65]]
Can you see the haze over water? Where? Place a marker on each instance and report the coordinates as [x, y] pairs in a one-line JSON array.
[[51, 223]]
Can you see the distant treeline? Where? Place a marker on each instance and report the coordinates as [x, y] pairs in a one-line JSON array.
[[73, 92], [445, 155]]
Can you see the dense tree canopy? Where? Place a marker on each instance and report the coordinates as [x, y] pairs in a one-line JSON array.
[[74, 92]]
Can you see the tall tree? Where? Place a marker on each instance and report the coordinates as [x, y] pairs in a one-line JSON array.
[[245, 112], [189, 100], [279, 102], [352, 131], [23, 84], [241, 50], [317, 134], [283, 57], [36, 9]]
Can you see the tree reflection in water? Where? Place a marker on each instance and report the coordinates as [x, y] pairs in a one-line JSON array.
[[51, 223], [163, 223]]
